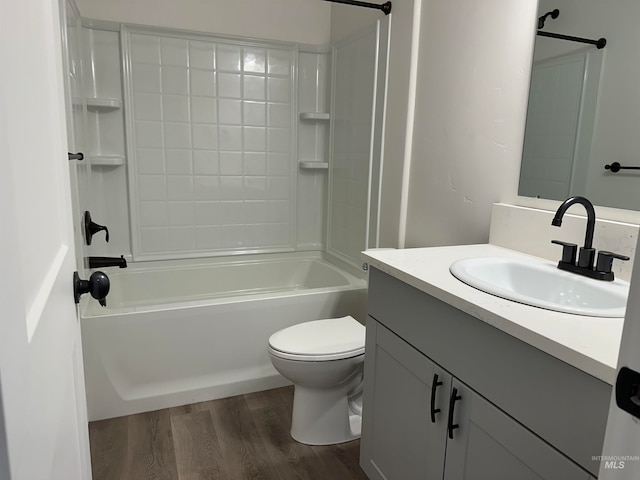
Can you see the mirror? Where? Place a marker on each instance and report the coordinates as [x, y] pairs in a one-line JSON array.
[[584, 106]]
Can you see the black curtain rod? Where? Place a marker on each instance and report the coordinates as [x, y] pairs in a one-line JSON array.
[[385, 7], [600, 43]]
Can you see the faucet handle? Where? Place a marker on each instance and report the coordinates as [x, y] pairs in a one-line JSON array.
[[91, 228], [605, 260], [568, 251]]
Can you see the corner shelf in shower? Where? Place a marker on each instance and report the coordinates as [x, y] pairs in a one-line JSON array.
[[313, 165], [103, 103], [106, 160], [314, 116]]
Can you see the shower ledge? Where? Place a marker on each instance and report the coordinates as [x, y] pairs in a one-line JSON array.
[[106, 160], [103, 103], [314, 116], [313, 165]]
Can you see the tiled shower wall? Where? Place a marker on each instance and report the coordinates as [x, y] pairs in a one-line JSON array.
[[210, 147], [214, 148]]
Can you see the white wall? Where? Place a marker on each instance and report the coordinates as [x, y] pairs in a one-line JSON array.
[[346, 20], [301, 21], [473, 79], [397, 117]]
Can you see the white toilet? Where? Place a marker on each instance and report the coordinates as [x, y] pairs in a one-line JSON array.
[[324, 360]]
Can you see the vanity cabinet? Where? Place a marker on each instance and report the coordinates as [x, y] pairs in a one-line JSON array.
[[488, 444], [521, 413], [400, 442]]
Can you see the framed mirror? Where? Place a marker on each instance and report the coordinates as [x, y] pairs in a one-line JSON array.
[[584, 105]]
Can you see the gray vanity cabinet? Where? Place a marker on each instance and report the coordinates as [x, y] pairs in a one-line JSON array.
[[399, 440], [522, 414], [488, 444]]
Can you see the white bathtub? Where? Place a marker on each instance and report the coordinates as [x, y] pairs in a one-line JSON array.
[[175, 333]]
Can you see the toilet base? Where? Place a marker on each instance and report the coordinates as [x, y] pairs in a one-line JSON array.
[[323, 417]]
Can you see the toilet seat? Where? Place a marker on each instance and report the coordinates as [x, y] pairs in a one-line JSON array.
[[319, 340]]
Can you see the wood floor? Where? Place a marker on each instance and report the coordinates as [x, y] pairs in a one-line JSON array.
[[237, 438]]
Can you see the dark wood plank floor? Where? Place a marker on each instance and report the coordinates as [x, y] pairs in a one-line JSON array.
[[237, 438]]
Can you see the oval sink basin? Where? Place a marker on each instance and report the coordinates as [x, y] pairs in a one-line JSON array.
[[541, 284]]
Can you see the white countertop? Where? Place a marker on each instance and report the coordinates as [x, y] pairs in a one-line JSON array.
[[590, 344]]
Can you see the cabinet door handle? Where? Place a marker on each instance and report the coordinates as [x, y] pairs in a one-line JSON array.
[[452, 403], [434, 385]]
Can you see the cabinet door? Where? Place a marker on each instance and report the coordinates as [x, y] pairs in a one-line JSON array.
[[399, 439], [488, 444]]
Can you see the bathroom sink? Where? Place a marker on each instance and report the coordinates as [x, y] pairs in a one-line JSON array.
[[540, 284]]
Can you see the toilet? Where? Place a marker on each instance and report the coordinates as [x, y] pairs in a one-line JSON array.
[[324, 360]]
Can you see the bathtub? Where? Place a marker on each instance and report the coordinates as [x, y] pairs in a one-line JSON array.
[[175, 333]]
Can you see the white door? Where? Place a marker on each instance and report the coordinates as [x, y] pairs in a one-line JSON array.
[[43, 422], [621, 452]]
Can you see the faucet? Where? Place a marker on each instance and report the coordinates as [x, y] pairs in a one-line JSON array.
[[586, 255], [100, 262], [587, 252]]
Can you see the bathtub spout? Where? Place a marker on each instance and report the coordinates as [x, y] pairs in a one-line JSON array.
[[100, 262]]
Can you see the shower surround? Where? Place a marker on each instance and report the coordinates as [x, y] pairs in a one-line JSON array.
[[211, 166], [213, 138]]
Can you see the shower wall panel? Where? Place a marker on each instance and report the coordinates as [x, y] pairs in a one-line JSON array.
[[210, 124], [108, 194], [359, 72], [313, 140]]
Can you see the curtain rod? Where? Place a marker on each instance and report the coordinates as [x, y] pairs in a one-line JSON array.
[[385, 7], [600, 43]]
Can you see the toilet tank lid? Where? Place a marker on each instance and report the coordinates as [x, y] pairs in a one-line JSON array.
[[320, 337]]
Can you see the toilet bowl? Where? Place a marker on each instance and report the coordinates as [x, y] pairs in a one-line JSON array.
[[324, 361]]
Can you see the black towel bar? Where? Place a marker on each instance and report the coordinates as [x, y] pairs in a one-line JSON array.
[[616, 167]]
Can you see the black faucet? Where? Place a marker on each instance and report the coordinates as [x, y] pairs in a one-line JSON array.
[[101, 262], [586, 255]]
